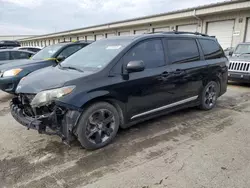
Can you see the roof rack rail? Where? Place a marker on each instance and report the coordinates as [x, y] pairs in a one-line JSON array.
[[181, 32]]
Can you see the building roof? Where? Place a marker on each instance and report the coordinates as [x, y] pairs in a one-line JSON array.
[[108, 25]]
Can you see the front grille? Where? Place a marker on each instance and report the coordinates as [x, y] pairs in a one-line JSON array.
[[239, 66]]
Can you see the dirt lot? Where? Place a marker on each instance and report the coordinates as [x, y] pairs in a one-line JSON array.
[[189, 148]]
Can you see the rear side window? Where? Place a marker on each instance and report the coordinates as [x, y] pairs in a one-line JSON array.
[[182, 50], [211, 49], [150, 52], [4, 56]]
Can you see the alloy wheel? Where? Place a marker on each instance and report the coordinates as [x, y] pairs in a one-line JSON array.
[[100, 126], [210, 95]]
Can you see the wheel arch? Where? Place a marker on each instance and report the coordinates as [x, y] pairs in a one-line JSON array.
[[118, 104], [216, 79]]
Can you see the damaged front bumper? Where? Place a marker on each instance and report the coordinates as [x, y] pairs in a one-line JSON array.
[[60, 121]]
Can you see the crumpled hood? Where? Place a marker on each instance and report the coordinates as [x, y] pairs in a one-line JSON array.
[[48, 78], [18, 63]]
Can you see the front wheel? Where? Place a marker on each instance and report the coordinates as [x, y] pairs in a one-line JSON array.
[[209, 96], [98, 125]]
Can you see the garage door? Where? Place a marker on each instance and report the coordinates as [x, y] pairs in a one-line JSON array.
[[142, 31], [124, 33], [187, 28], [90, 37], [223, 30], [67, 39], [110, 35], [73, 39], [159, 29], [248, 30], [98, 37]]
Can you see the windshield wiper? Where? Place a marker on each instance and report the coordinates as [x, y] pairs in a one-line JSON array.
[[72, 68]]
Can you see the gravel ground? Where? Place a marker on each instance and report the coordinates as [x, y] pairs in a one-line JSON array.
[[186, 149]]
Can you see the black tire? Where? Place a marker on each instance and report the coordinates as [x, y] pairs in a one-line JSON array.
[[209, 96], [93, 131]]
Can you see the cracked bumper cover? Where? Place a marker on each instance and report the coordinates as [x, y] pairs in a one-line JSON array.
[[43, 124]]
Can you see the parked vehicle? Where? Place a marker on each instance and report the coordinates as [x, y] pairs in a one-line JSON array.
[[11, 54], [13, 71], [117, 82], [9, 44], [239, 69], [30, 48]]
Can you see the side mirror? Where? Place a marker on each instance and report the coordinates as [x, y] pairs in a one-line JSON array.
[[135, 66], [230, 52], [60, 58]]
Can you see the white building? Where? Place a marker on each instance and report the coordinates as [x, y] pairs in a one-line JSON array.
[[229, 21], [14, 37]]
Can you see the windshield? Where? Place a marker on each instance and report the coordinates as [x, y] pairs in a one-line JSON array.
[[47, 52], [96, 55], [242, 49]]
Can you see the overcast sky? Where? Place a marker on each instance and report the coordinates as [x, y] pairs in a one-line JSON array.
[[46, 16]]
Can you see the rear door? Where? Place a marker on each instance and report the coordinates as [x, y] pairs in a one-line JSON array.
[[188, 67]]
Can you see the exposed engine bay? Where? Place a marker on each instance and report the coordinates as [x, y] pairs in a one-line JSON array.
[[50, 119]]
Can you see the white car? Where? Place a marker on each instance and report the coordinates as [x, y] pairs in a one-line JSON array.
[[29, 48]]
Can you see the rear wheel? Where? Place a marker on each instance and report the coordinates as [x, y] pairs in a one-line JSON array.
[[209, 96], [98, 125]]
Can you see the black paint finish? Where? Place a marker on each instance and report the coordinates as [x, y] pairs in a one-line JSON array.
[[136, 92]]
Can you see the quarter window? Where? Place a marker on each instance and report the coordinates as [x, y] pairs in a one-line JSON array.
[[211, 49], [150, 52], [182, 50]]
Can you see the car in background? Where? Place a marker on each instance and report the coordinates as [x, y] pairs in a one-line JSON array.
[[9, 44], [120, 81], [12, 54], [13, 71], [29, 48], [239, 63]]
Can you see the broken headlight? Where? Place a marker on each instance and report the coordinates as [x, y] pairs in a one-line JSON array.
[[47, 96]]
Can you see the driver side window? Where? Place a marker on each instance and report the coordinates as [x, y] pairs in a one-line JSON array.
[[69, 51], [150, 52]]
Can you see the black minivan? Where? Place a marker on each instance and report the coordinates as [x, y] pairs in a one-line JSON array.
[[117, 82]]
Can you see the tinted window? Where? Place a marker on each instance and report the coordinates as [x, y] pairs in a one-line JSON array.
[[211, 49], [182, 50], [150, 52], [4, 56], [70, 50], [20, 55]]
